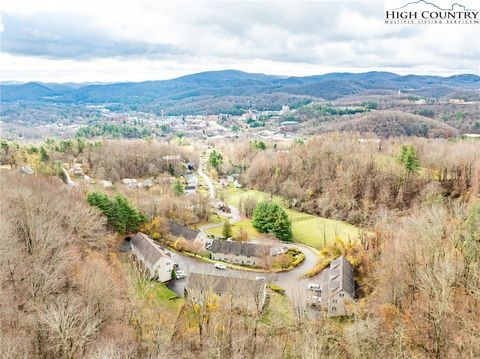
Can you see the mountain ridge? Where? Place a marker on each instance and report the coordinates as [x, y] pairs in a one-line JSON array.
[[234, 83]]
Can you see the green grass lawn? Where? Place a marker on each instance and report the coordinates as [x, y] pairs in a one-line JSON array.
[[315, 231], [159, 291], [307, 229], [233, 196], [246, 224], [278, 307]]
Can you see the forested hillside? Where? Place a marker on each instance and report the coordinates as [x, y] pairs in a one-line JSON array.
[[417, 271], [356, 179], [220, 91]]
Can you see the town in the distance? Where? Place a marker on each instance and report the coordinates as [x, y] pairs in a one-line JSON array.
[[235, 215]]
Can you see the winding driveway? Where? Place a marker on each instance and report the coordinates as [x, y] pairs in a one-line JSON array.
[[291, 281]]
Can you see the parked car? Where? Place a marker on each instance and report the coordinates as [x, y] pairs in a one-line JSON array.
[[314, 286], [220, 266], [181, 274], [259, 278], [279, 250]]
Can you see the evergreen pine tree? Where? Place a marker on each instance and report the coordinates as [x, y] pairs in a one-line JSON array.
[[119, 212], [178, 187], [227, 230], [269, 217], [408, 156], [215, 159], [43, 155], [412, 164], [403, 153]]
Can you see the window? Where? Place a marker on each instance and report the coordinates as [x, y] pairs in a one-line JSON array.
[[342, 295], [334, 309], [334, 301]]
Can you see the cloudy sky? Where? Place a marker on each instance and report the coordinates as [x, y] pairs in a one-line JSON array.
[[135, 40]]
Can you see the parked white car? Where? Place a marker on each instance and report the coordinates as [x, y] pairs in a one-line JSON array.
[[220, 266], [279, 250], [181, 274], [260, 279], [314, 286]]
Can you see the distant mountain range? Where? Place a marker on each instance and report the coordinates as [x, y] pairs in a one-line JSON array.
[[230, 86]]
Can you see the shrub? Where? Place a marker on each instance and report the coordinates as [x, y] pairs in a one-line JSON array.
[[297, 256], [227, 230], [276, 289], [178, 187]]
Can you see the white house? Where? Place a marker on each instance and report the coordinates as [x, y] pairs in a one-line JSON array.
[[156, 259]]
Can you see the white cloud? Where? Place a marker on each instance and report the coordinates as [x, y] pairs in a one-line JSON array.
[[144, 40]]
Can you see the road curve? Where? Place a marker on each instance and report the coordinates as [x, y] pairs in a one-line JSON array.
[[291, 281]]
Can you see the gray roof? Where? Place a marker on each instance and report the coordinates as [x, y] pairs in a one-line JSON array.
[[223, 284], [150, 251], [239, 248], [341, 273], [337, 278], [179, 230]]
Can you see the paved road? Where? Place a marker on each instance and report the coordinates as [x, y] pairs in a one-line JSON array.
[[291, 281], [208, 181]]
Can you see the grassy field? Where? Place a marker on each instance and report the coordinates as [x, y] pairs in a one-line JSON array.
[[307, 229], [246, 224]]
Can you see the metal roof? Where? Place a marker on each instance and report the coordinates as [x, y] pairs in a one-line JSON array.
[[239, 248], [150, 251]]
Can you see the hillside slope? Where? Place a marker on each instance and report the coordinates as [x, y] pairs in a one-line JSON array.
[[390, 124], [219, 84]]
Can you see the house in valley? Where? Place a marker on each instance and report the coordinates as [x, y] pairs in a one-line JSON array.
[[243, 293], [337, 286], [156, 259], [249, 254]]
